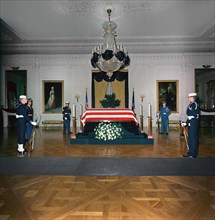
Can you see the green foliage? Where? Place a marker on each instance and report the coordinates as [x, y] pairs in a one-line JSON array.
[[110, 101]]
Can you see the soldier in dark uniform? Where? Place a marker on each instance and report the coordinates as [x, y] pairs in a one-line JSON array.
[[22, 118], [66, 118], [30, 113], [193, 123]]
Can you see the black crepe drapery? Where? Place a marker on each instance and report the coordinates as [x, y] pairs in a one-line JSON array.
[[118, 75]]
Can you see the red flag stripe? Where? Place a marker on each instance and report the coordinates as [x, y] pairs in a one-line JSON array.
[[108, 115]]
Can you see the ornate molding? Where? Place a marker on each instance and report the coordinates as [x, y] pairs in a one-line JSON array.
[[189, 59], [200, 42], [85, 47], [44, 60], [36, 59], [19, 60]]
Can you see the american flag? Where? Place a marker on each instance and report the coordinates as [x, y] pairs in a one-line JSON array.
[[86, 101]]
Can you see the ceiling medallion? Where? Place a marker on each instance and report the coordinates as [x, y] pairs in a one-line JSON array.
[[118, 9], [99, 8]]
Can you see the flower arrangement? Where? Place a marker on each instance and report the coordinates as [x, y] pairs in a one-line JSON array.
[[108, 131]]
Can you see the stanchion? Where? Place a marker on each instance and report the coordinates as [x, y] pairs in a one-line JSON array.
[[73, 128], [141, 123], [150, 127], [81, 124]]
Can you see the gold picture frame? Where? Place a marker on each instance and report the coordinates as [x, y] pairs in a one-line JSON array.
[[52, 96], [167, 90]]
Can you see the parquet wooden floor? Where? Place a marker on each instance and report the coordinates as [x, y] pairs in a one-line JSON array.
[[126, 198], [107, 198], [52, 142]]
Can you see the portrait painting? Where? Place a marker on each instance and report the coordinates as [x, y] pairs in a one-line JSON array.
[[205, 88], [167, 90], [53, 96]]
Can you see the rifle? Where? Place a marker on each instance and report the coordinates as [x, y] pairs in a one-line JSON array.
[[186, 136], [182, 119], [31, 141]]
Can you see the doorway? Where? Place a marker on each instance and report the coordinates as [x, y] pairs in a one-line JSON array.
[[15, 85]]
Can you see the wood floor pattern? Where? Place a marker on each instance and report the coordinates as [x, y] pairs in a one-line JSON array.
[[52, 142], [126, 198], [111, 197]]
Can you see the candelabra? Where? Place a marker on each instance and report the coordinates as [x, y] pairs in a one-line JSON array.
[[81, 113], [77, 96], [141, 112], [142, 97], [150, 122], [73, 121]]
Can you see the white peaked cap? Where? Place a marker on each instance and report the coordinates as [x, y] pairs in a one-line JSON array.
[[192, 94], [23, 97], [67, 102]]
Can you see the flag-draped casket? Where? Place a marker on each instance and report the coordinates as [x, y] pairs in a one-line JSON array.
[[108, 115]]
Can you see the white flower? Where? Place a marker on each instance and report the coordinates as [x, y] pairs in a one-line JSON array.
[[108, 131]]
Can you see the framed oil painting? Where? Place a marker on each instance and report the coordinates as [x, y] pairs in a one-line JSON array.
[[205, 88], [167, 90], [53, 96]]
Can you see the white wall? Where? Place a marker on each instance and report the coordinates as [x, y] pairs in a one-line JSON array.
[[75, 71]]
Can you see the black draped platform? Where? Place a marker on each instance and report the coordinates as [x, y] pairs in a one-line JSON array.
[[131, 134]]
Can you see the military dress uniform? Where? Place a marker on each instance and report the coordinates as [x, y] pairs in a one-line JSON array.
[[193, 123], [164, 115], [66, 118], [22, 118], [29, 126]]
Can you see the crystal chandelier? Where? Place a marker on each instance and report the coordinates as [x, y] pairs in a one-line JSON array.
[[110, 56]]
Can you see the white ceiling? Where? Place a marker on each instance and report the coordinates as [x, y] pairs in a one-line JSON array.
[[67, 26]]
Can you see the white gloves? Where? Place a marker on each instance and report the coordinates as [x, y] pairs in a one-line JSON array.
[[33, 123], [183, 124], [190, 117]]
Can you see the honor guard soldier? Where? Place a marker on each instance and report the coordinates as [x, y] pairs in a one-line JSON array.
[[66, 118], [30, 113], [164, 115], [193, 123], [22, 118]]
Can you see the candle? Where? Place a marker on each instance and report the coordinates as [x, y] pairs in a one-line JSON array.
[[81, 109], [141, 109], [149, 110], [73, 110]]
